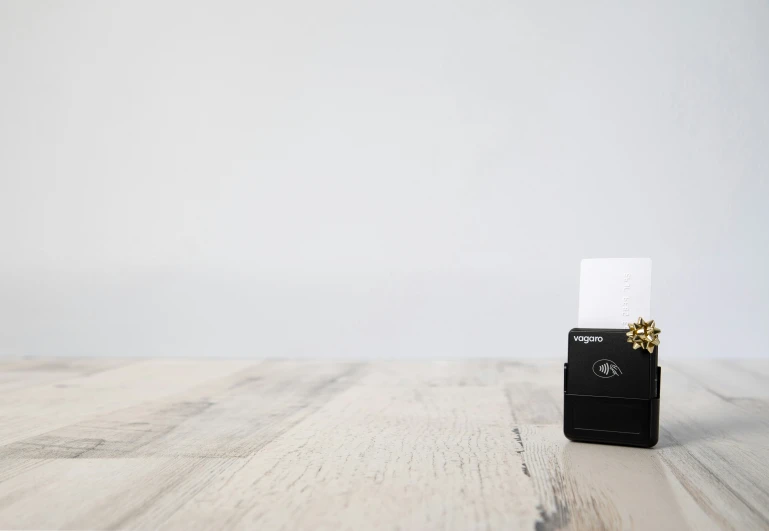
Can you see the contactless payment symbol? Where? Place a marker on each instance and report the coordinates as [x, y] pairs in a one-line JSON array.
[[606, 369]]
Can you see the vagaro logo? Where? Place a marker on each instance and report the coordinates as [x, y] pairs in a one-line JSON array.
[[588, 339], [606, 369]]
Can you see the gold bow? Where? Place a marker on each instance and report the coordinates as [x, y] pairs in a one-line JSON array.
[[643, 335]]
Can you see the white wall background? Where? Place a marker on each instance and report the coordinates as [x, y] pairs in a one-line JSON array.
[[400, 178]]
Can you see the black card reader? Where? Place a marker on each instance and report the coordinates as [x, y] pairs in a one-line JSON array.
[[611, 390]]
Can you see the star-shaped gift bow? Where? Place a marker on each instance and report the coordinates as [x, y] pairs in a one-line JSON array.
[[643, 334]]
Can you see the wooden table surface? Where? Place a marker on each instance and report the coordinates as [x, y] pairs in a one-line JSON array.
[[194, 444]]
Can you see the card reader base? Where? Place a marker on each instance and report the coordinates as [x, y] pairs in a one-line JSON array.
[[611, 420]]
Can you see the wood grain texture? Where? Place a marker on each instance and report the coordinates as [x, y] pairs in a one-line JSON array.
[[193, 444]]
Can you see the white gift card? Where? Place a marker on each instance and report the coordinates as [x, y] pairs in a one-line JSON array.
[[614, 292]]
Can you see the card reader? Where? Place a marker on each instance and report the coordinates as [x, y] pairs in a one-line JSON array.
[[611, 389]]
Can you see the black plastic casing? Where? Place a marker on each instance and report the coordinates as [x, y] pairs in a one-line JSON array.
[[611, 391]]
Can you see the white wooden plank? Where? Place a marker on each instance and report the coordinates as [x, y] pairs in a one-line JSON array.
[[385, 457], [32, 411]]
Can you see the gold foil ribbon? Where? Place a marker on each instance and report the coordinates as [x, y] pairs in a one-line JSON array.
[[643, 334]]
